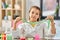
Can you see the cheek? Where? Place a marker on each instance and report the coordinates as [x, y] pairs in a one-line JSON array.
[[30, 15], [37, 16]]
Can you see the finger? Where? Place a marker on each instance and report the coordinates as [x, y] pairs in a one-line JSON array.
[[18, 19], [52, 17], [46, 18]]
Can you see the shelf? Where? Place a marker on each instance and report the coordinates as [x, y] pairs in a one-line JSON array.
[[13, 7], [6, 9], [3, 14], [17, 9]]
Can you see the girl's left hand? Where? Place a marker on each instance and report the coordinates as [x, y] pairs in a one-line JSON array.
[[51, 18], [53, 29]]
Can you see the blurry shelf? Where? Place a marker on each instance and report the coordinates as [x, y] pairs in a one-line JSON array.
[[17, 9], [3, 9], [13, 7]]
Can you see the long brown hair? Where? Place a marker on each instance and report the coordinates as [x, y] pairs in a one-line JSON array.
[[36, 8]]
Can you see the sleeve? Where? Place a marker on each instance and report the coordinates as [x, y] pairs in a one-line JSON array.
[[16, 33], [21, 29]]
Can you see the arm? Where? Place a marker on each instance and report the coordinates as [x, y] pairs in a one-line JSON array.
[[15, 22], [14, 27], [53, 29]]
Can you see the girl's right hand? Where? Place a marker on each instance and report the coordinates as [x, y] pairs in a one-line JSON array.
[[15, 21]]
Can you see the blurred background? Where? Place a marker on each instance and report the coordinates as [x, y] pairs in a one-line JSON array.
[[10, 9]]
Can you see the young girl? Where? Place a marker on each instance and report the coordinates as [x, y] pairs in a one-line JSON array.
[[30, 29]]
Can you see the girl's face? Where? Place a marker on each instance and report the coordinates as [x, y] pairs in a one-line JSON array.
[[34, 14]]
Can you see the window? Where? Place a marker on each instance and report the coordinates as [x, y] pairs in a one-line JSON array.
[[50, 7], [59, 8]]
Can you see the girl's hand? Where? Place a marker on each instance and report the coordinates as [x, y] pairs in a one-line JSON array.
[[17, 20], [51, 18], [53, 29]]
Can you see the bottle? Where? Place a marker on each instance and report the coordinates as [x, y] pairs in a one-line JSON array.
[[9, 36], [3, 36], [22, 38], [0, 37]]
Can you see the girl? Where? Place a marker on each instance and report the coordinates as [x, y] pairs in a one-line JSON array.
[[30, 29]]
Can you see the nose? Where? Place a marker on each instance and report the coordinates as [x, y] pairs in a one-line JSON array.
[[34, 15]]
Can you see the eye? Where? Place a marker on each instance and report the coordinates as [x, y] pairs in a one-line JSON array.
[[32, 12], [37, 14]]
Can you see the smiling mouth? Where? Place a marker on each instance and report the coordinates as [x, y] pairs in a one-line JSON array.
[[33, 17]]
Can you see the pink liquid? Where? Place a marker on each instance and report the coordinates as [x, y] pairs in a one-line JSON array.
[[37, 37]]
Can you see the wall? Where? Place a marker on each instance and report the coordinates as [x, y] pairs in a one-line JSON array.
[[30, 3]]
